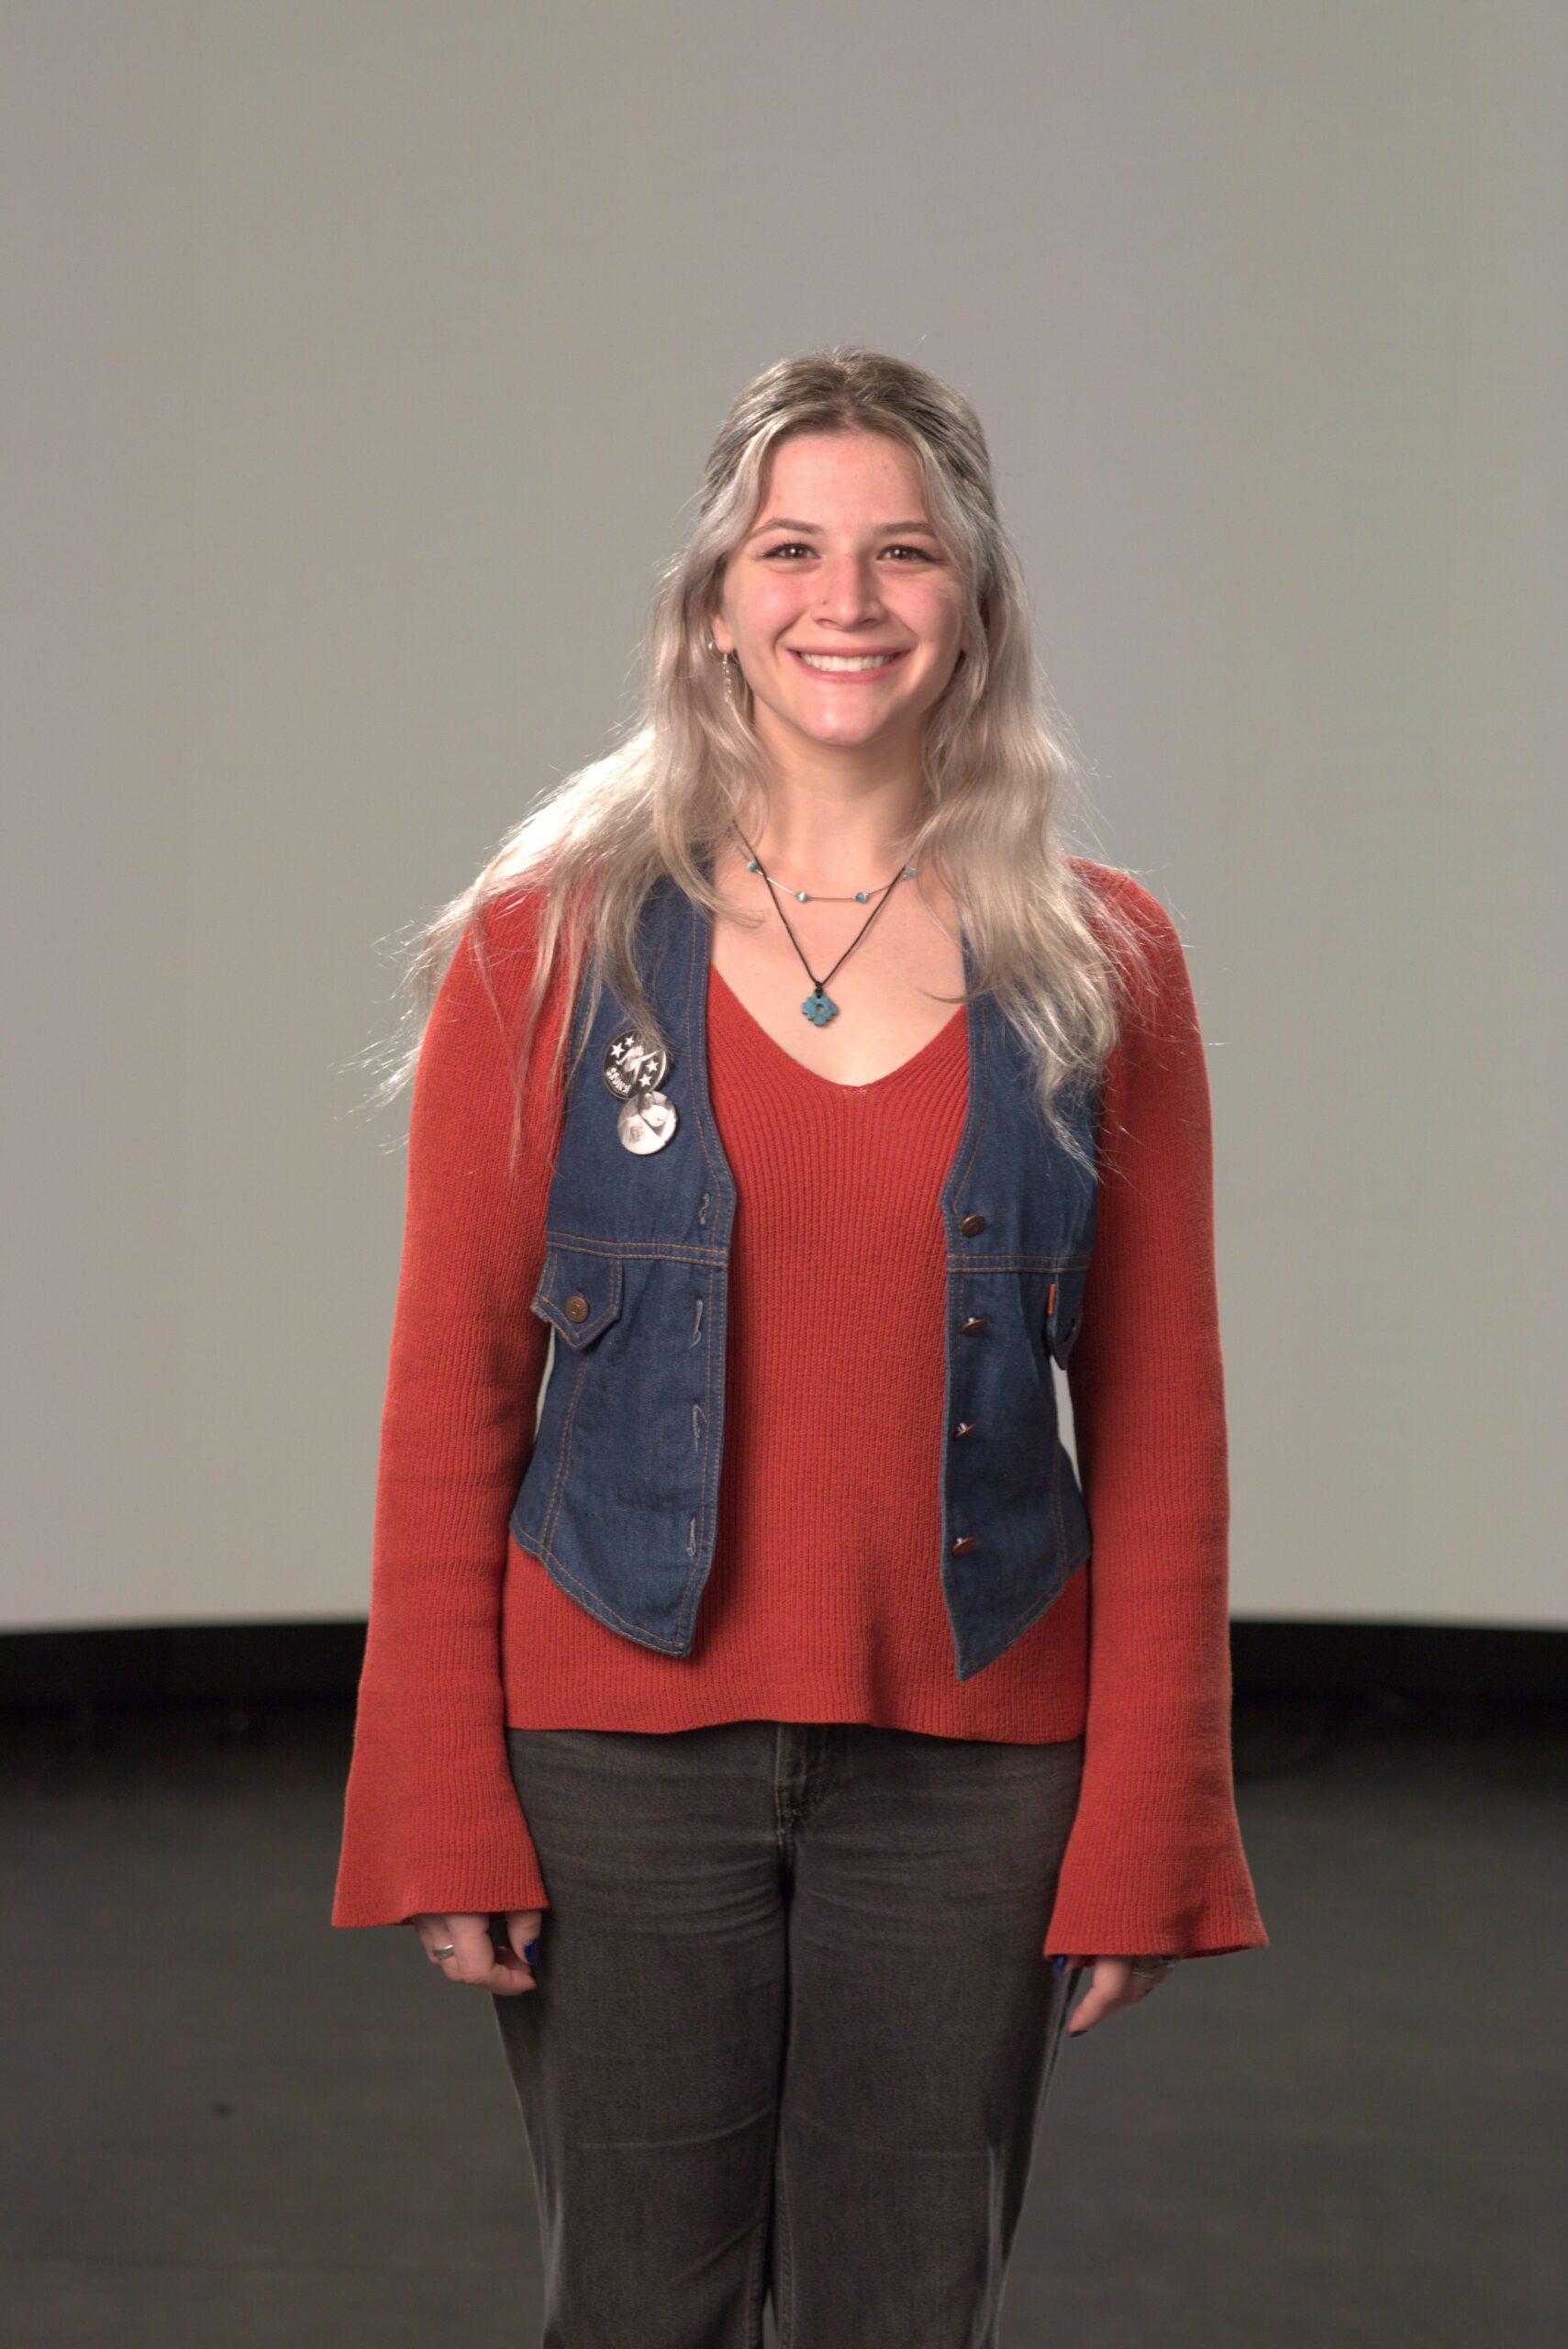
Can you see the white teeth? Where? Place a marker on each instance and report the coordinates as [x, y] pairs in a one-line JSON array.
[[837, 661]]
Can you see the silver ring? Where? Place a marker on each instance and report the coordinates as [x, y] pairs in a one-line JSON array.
[[450, 1950]]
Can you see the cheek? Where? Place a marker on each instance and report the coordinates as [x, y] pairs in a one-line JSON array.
[[932, 608], [769, 605]]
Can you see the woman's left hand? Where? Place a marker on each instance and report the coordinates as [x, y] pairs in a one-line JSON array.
[[1115, 1984]]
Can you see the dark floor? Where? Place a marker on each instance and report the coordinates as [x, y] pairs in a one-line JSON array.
[[231, 2125]]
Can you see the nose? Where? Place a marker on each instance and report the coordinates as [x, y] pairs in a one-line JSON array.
[[848, 590]]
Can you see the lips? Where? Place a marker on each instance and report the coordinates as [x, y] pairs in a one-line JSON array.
[[885, 662]]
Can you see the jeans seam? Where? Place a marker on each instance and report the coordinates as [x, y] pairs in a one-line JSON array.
[[751, 2308], [784, 2266]]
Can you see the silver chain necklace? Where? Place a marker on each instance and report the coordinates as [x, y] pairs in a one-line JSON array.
[[819, 1006]]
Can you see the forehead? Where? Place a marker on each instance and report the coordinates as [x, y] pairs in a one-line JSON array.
[[818, 476]]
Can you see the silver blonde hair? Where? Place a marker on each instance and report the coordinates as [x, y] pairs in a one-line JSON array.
[[994, 758]]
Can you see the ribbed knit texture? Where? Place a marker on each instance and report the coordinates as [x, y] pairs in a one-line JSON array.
[[825, 1600]]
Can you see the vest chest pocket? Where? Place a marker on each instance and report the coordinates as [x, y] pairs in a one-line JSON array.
[[579, 1293], [615, 1478]]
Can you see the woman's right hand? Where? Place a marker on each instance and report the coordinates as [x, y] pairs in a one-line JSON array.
[[475, 1958]]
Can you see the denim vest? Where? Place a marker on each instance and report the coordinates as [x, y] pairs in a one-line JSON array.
[[618, 1501]]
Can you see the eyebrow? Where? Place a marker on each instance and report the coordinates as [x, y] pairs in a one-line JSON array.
[[786, 522]]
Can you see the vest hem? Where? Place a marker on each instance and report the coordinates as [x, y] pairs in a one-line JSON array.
[[564, 1580], [1016, 1629]]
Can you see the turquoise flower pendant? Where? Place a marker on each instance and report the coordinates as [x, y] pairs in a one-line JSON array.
[[819, 1008]]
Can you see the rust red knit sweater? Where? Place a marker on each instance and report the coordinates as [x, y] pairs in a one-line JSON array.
[[824, 1602]]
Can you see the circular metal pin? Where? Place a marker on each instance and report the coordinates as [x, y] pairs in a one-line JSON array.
[[646, 1121], [632, 1066]]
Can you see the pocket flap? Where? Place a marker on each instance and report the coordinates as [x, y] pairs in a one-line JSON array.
[[579, 1292]]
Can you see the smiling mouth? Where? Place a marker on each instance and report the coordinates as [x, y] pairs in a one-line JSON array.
[[848, 664]]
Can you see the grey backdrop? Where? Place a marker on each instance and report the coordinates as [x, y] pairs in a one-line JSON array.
[[362, 359]]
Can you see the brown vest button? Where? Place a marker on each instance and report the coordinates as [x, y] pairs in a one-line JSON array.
[[975, 1321], [965, 1541], [971, 1224], [577, 1307]]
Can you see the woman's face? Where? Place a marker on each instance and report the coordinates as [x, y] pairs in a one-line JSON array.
[[841, 560]]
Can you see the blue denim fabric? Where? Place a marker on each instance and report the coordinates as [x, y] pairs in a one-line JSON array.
[[618, 1501]]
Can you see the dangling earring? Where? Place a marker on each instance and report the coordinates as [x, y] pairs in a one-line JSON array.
[[731, 662]]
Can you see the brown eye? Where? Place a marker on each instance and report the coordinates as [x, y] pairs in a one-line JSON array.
[[794, 546]]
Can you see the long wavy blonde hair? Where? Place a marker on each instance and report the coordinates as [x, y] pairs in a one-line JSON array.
[[1052, 948]]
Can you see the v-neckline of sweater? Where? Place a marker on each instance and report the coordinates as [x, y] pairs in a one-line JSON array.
[[833, 1084]]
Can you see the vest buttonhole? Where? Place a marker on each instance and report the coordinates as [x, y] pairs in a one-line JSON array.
[[696, 1321], [692, 1539]]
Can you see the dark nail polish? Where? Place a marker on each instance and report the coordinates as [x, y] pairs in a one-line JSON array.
[[530, 1951]]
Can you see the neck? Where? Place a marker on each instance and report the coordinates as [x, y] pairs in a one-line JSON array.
[[815, 836]]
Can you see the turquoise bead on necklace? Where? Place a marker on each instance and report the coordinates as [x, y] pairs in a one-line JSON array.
[[805, 896]]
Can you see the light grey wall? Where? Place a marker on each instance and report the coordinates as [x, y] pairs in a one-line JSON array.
[[362, 362]]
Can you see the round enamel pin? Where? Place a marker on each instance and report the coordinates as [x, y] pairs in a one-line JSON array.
[[646, 1121], [632, 1066], [634, 1071]]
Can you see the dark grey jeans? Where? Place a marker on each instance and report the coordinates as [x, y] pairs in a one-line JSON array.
[[793, 2029]]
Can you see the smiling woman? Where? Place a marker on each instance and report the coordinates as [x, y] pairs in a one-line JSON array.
[[760, 1700], [850, 601]]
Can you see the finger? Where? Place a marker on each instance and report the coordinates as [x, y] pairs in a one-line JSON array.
[[483, 1961], [1087, 2011], [516, 1954], [1106, 1989], [436, 1936], [509, 1975], [473, 1958], [523, 1930], [1070, 1968]]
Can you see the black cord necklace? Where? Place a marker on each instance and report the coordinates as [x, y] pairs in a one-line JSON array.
[[819, 1006]]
